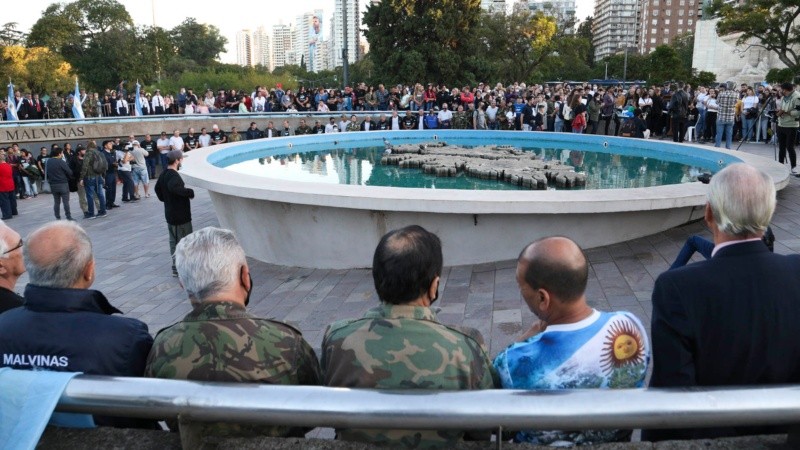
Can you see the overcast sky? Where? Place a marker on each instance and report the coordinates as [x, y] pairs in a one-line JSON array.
[[229, 16]]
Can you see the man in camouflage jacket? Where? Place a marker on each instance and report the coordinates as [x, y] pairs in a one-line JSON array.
[[400, 344], [219, 340]]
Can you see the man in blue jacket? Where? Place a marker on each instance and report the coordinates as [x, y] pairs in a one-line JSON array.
[[66, 326]]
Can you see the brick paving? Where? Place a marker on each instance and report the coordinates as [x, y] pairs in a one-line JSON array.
[[133, 270]]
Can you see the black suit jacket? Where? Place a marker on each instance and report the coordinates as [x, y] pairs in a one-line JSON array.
[[732, 320]]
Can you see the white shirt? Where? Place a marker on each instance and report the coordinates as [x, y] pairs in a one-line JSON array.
[[645, 102], [270, 132], [164, 142], [750, 102], [395, 123], [204, 140], [259, 103], [343, 125], [176, 143], [329, 128], [701, 100], [445, 114], [157, 101]]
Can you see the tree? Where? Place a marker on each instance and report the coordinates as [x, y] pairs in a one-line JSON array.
[[71, 26], [664, 64], [769, 24], [432, 41], [10, 35], [36, 69], [585, 31], [199, 42]]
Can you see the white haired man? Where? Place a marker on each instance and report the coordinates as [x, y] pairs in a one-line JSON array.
[[227, 343], [730, 320]]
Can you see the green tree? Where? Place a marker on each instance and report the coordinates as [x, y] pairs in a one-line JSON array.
[[10, 35], [432, 41], [199, 42], [769, 24], [665, 64], [35, 69], [585, 31]]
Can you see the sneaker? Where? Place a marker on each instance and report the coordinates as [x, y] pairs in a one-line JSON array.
[[86, 215], [101, 215], [794, 171], [90, 217]]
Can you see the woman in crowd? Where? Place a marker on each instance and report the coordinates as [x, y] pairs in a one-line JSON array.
[[750, 111], [712, 108], [767, 105], [593, 110]]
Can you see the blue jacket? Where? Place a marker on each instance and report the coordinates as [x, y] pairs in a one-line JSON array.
[[73, 330]]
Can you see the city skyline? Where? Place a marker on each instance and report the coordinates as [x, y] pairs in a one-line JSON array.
[[169, 14]]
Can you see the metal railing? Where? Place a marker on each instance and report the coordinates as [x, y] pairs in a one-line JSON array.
[[423, 409]]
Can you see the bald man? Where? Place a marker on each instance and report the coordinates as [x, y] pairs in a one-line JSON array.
[[572, 346], [66, 326], [11, 267]]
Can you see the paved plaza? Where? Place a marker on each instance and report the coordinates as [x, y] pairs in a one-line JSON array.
[[133, 271]]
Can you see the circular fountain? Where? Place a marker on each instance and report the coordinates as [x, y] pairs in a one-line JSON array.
[[307, 222]]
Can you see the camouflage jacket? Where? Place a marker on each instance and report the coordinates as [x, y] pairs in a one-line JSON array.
[[353, 127], [220, 341], [462, 120], [404, 347], [303, 129]]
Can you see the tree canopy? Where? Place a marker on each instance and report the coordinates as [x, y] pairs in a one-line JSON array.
[[771, 24]]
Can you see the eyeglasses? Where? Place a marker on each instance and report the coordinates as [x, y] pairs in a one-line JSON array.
[[18, 246]]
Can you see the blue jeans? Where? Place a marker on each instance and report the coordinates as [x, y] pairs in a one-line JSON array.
[[747, 128], [693, 244], [151, 167], [700, 126], [727, 129], [94, 187], [164, 163]]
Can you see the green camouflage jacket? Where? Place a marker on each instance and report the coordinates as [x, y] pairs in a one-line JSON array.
[[462, 120], [220, 341], [353, 127], [404, 347]]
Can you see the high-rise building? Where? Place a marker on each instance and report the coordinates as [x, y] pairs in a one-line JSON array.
[[664, 20], [353, 24], [563, 10], [308, 36], [282, 46], [261, 49], [616, 27], [494, 5], [244, 48]]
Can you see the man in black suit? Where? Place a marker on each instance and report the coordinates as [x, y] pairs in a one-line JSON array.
[[731, 320]]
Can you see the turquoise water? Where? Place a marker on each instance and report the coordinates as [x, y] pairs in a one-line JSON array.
[[362, 166]]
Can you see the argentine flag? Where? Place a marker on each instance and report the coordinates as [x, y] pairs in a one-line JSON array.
[[11, 111], [77, 108], [138, 100]]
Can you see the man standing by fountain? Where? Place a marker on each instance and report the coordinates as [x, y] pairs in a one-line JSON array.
[[177, 208]]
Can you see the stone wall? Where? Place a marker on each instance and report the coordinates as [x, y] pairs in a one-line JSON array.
[[721, 56]]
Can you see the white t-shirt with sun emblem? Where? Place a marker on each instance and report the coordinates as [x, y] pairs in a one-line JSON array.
[[605, 350]]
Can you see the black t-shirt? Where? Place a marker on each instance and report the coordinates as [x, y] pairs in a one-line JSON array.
[[217, 136], [190, 140], [319, 129], [150, 147], [383, 125], [409, 123]]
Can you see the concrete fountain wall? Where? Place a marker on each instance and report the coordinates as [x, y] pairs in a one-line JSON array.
[[337, 226]]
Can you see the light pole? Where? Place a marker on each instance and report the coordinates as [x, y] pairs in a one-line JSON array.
[[345, 74], [625, 68], [155, 41]]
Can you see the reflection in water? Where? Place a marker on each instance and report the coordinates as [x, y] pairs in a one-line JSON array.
[[361, 166]]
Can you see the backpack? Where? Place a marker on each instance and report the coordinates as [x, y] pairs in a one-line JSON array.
[[99, 163], [567, 113], [628, 128], [579, 123]]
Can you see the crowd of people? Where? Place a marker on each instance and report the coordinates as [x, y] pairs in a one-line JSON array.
[[725, 321]]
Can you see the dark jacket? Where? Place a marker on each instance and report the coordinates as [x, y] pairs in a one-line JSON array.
[[727, 321], [87, 169], [58, 172], [171, 190], [9, 300], [73, 330]]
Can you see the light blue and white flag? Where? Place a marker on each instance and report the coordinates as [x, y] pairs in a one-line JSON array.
[[11, 110], [77, 108], [138, 100]]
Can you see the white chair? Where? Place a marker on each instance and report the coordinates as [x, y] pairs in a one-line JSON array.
[[689, 134]]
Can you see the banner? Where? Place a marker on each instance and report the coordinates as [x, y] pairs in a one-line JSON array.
[[138, 100], [11, 110], [77, 108]]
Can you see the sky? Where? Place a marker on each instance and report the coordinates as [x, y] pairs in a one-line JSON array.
[[229, 16]]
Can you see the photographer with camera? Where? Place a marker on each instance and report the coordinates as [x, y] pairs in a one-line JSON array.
[[788, 114]]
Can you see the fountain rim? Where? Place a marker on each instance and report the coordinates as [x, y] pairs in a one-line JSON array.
[[199, 169]]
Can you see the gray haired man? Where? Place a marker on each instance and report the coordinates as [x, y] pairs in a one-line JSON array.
[[65, 325]]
